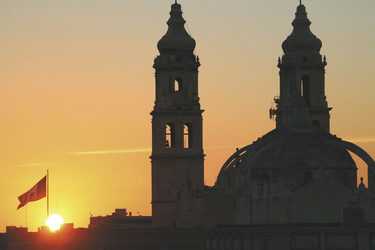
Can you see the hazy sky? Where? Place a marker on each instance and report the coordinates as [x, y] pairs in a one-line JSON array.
[[77, 87]]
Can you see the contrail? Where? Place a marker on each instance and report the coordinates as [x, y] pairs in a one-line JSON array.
[[39, 164], [139, 150], [111, 151], [360, 139]]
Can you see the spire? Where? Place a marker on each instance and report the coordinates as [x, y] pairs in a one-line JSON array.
[[302, 84], [176, 37], [301, 38]]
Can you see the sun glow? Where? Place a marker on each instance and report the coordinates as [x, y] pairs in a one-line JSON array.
[[54, 221]]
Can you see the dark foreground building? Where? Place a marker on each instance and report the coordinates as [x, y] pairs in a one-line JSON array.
[[277, 237], [294, 188]]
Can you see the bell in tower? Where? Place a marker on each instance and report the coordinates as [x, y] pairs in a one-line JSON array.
[[302, 71], [177, 151]]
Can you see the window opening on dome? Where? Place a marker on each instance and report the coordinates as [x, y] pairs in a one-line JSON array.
[[307, 176], [188, 135], [305, 88], [178, 84], [316, 123], [170, 135], [264, 184]]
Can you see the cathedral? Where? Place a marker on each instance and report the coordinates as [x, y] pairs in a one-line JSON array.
[[298, 173], [294, 188]]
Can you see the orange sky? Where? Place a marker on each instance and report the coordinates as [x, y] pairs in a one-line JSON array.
[[77, 87]]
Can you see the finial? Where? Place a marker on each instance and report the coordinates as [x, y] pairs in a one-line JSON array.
[[300, 2], [175, 1]]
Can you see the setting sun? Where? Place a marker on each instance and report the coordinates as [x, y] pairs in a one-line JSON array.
[[54, 221]]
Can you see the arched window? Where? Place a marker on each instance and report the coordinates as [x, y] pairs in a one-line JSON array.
[[178, 84], [316, 123], [170, 135], [307, 176], [305, 88], [188, 135]]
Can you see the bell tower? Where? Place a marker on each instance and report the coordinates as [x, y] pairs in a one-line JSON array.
[[177, 151], [302, 72]]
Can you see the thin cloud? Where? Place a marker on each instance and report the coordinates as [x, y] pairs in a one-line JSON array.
[[124, 151], [219, 147], [111, 151], [140, 150], [360, 139], [39, 164]]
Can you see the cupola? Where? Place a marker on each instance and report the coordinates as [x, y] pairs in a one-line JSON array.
[[302, 38], [176, 37]]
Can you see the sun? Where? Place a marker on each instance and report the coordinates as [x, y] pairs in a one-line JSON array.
[[54, 221]]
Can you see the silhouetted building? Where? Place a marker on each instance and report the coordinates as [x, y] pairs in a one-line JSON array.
[[120, 220], [177, 152], [297, 173], [293, 188]]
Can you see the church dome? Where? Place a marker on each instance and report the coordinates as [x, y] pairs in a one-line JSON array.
[[283, 157], [301, 38], [176, 37]]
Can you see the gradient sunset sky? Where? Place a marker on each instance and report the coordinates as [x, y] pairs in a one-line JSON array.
[[77, 87]]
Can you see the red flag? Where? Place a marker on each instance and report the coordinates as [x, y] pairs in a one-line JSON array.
[[35, 193]]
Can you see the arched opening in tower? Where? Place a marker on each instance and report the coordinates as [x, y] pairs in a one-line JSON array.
[[188, 135], [316, 123], [178, 84], [307, 176], [305, 88], [170, 135]]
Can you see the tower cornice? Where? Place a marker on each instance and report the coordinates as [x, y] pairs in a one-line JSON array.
[[172, 112]]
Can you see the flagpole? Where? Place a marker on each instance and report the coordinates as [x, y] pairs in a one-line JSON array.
[[47, 194]]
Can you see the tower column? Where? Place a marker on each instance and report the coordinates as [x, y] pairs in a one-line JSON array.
[[177, 151], [302, 72]]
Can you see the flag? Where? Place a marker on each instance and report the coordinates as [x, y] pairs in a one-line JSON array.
[[35, 193]]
